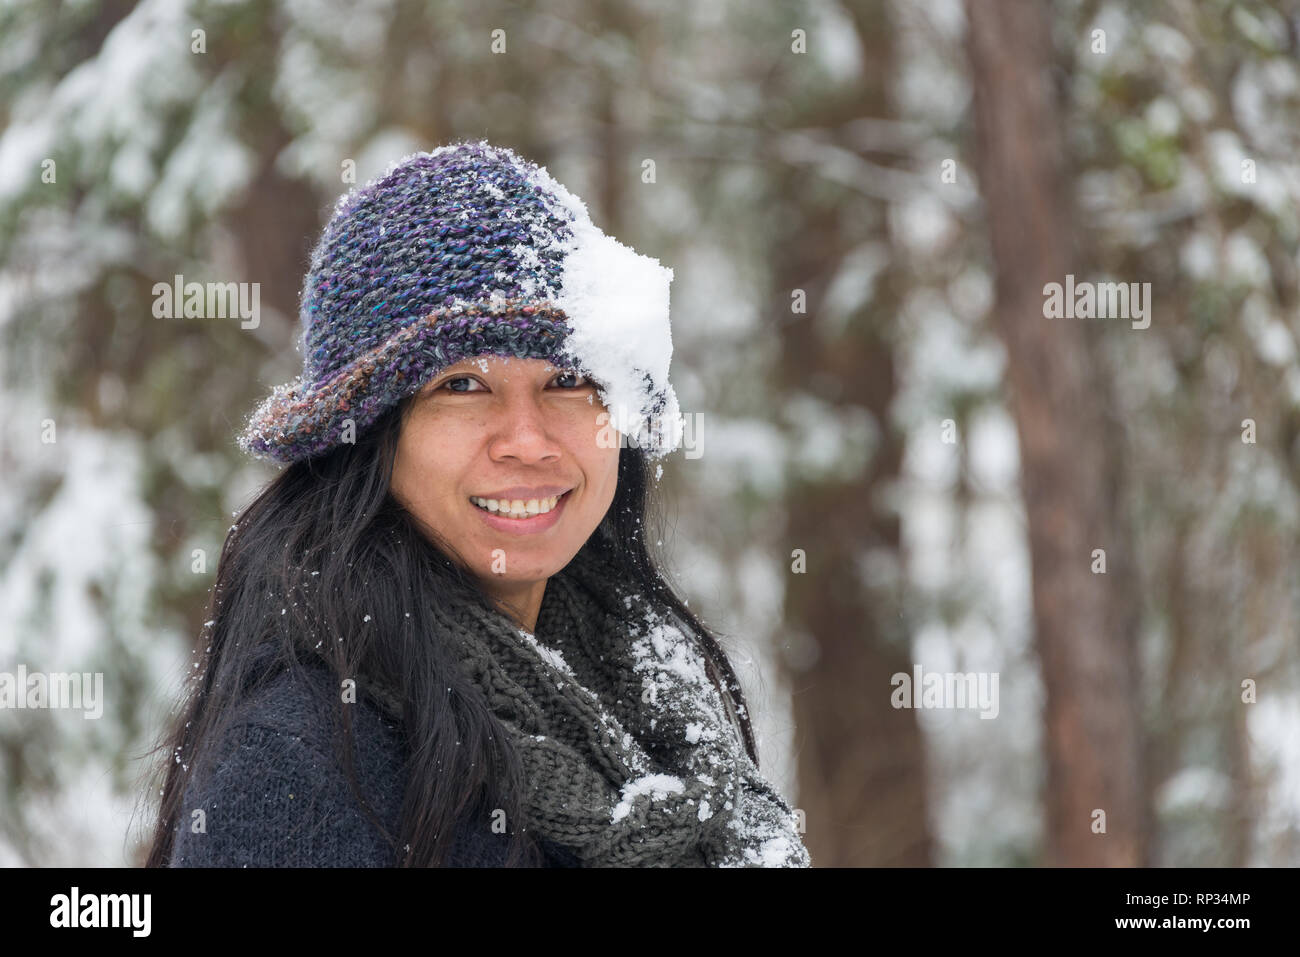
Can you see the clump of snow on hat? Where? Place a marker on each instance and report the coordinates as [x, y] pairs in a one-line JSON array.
[[617, 301]]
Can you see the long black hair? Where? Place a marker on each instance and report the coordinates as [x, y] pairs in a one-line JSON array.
[[325, 538]]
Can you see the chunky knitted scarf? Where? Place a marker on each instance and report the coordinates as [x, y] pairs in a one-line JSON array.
[[633, 759]]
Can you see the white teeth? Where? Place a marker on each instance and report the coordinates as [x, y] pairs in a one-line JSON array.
[[518, 508]]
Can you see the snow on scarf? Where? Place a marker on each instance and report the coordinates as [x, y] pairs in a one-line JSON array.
[[633, 759]]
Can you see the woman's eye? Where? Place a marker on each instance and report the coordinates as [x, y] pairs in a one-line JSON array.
[[581, 380], [462, 378]]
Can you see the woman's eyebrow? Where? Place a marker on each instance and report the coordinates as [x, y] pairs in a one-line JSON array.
[[504, 374], [451, 372]]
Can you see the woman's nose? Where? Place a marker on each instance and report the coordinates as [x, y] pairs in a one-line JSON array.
[[521, 429]]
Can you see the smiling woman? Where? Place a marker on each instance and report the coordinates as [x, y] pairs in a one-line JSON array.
[[437, 637]]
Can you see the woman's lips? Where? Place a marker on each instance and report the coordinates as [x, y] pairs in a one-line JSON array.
[[524, 526]]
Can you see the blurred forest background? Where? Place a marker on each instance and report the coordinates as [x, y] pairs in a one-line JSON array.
[[861, 200]]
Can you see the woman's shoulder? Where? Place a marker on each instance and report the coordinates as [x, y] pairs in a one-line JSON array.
[[275, 792], [308, 700]]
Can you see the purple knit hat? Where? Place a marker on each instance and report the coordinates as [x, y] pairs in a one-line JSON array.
[[464, 251]]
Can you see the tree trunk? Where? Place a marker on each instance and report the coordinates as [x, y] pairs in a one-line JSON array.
[[862, 766], [1083, 620]]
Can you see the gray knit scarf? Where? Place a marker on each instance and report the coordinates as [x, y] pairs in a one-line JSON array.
[[635, 760]]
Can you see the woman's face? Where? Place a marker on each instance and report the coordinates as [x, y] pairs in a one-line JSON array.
[[511, 433]]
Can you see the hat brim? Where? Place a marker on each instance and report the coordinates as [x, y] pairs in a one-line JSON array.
[[308, 417]]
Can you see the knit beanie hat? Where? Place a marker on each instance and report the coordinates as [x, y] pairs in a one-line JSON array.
[[464, 251]]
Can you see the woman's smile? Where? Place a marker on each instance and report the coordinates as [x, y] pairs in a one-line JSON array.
[[520, 516]]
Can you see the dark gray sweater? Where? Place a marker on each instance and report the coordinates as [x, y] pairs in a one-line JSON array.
[[278, 797]]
